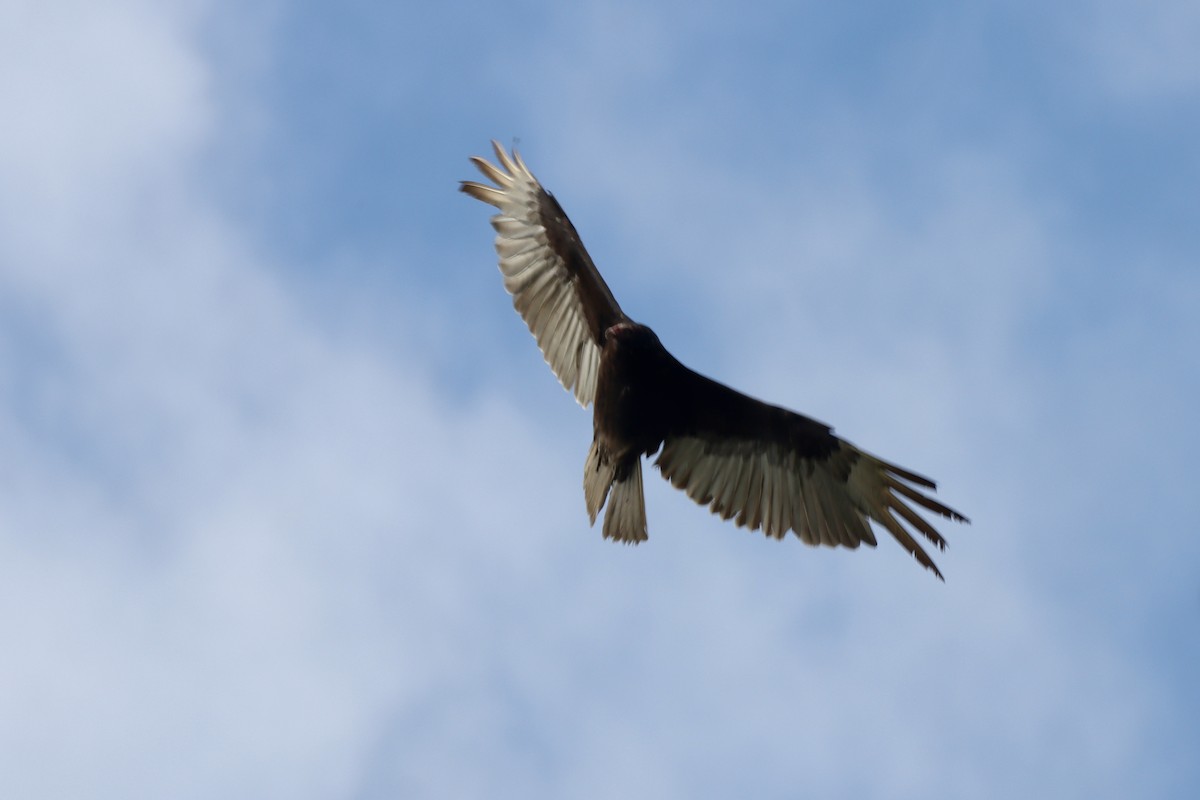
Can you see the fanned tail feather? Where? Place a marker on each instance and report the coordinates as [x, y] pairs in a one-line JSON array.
[[625, 519], [598, 473]]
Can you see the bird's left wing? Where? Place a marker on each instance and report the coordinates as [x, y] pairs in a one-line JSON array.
[[554, 284], [778, 470]]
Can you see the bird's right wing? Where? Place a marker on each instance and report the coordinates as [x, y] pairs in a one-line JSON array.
[[554, 284]]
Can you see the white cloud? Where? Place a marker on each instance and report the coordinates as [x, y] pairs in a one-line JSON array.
[[98, 94], [220, 532]]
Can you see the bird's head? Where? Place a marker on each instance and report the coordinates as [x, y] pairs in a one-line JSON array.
[[630, 334]]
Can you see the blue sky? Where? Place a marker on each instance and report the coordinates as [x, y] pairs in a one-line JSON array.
[[290, 505]]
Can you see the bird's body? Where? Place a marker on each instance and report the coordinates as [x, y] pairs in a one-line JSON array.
[[630, 417], [763, 465]]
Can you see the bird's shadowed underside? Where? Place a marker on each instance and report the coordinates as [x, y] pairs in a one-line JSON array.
[[763, 466]]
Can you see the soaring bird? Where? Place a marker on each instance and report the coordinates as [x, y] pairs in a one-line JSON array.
[[766, 467]]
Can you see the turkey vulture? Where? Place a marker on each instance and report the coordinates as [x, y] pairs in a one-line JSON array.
[[763, 465]]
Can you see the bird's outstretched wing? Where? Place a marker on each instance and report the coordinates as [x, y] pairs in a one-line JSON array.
[[773, 469], [555, 286]]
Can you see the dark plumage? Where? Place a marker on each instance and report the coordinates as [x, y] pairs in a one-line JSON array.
[[762, 465]]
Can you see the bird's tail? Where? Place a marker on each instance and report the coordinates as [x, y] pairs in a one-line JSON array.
[[625, 519], [598, 474]]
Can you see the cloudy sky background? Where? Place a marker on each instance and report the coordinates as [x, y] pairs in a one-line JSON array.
[[290, 505]]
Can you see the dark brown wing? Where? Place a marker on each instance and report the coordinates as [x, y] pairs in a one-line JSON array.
[[773, 469], [555, 286]]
